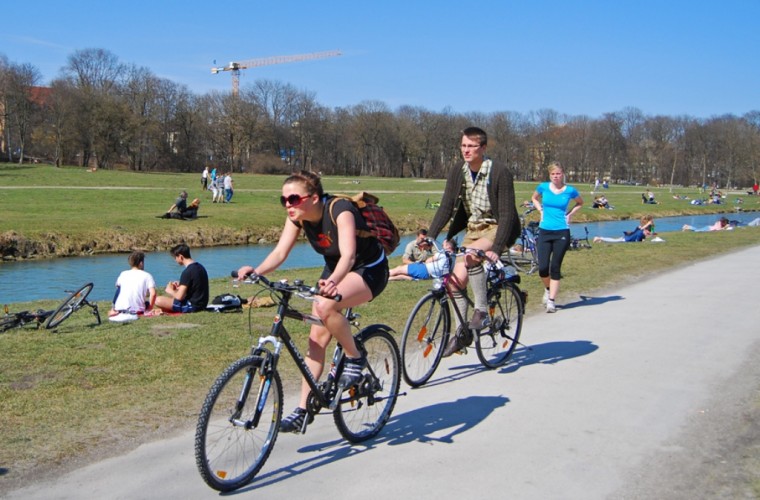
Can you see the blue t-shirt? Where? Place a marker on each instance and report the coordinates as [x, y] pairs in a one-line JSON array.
[[555, 206]]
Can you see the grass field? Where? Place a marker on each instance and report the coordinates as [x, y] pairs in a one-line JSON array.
[[89, 391], [50, 211]]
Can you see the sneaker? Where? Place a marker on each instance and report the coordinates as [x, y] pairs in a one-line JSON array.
[[458, 342], [296, 421], [545, 299], [479, 320], [352, 372], [550, 307]]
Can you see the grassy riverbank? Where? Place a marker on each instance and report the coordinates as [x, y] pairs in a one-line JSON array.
[[86, 392], [56, 212]]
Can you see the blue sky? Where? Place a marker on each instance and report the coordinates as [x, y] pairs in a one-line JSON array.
[[665, 57]]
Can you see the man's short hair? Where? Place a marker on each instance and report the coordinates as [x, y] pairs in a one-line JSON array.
[[476, 134], [181, 249], [422, 232]]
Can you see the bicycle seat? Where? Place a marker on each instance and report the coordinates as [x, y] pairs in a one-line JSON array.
[[533, 224]]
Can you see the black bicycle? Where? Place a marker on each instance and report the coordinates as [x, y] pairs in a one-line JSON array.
[[523, 255], [580, 243], [54, 317], [428, 328], [240, 418]]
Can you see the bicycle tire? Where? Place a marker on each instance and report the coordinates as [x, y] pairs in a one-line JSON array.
[[526, 260], [496, 343], [424, 339], [8, 322], [72, 303], [364, 409], [228, 455]]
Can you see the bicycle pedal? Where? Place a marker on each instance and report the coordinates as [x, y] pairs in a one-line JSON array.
[[336, 399]]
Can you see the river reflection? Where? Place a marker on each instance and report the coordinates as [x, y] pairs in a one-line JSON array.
[[48, 279]]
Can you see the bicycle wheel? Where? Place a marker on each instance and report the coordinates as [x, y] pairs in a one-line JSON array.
[[230, 447], [71, 304], [365, 408], [424, 338], [496, 343], [524, 258], [8, 322]]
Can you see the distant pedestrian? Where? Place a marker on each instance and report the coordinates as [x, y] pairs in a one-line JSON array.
[[228, 191], [204, 178]]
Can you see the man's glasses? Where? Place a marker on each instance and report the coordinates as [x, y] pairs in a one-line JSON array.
[[293, 200]]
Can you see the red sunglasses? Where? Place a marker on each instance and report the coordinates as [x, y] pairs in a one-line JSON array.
[[293, 200]]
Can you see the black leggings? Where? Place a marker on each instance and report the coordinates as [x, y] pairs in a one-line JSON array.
[[551, 247]]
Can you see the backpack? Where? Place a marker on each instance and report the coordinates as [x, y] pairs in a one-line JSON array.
[[380, 225], [226, 302]]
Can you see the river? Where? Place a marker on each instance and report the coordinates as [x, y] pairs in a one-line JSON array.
[[49, 279]]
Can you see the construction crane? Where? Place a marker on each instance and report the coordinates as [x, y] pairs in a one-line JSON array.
[[235, 67]]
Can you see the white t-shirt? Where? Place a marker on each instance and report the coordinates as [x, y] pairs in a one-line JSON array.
[[134, 286]]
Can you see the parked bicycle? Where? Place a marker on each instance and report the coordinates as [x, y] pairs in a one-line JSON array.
[[523, 254], [240, 418], [54, 317], [580, 243], [429, 325]]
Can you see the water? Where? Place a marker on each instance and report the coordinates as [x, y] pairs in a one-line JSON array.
[[49, 279]]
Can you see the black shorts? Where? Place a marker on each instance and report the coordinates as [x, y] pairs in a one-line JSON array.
[[376, 277]]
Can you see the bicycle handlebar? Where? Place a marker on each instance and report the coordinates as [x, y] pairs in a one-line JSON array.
[[298, 286]]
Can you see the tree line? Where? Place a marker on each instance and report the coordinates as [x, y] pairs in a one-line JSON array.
[[105, 113]]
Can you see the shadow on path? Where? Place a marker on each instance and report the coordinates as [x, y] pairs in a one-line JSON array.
[[586, 300], [438, 423], [548, 353]]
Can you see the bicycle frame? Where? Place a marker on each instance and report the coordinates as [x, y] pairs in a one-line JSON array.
[[327, 394]]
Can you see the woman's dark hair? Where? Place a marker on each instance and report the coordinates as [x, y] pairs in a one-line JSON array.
[[311, 180]]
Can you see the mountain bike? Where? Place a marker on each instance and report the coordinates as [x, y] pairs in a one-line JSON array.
[[54, 317], [240, 418], [523, 254], [428, 328]]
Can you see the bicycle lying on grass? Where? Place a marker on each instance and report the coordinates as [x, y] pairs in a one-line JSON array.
[[428, 328], [240, 418], [54, 317]]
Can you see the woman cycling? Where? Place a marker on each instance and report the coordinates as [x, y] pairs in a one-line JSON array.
[[551, 199], [355, 267]]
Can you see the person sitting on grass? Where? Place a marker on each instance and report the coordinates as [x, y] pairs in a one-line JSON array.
[[181, 210], [644, 229], [433, 267], [190, 293], [601, 202], [135, 288], [648, 198]]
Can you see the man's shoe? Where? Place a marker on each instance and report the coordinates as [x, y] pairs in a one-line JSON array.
[[352, 372], [458, 342], [479, 320], [296, 421], [545, 298], [550, 306]]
